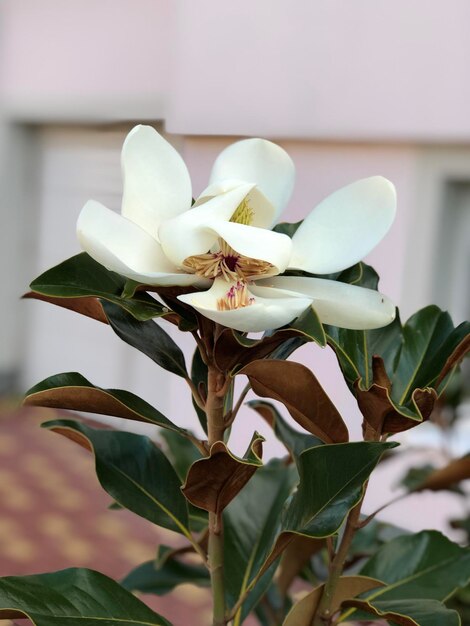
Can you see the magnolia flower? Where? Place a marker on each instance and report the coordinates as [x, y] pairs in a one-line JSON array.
[[223, 245]]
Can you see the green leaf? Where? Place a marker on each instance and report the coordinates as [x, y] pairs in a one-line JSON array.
[[425, 565], [332, 479], [416, 476], [72, 391], [134, 472], [429, 338], [76, 597], [199, 378], [287, 228], [180, 452], [82, 277], [149, 578], [361, 274], [148, 338], [250, 526], [294, 441], [368, 540], [354, 349], [308, 327], [319, 506], [413, 612], [397, 372]]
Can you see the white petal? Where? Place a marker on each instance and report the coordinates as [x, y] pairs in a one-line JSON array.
[[336, 303], [345, 227], [264, 213], [191, 232], [123, 247], [262, 314], [156, 181], [257, 243], [261, 162]]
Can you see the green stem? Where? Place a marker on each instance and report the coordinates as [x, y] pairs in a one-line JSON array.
[[216, 567], [215, 430], [323, 614]]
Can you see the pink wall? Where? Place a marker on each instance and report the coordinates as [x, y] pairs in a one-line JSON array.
[[349, 87], [369, 69]]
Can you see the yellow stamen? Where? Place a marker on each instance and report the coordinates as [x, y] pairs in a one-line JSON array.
[[243, 214], [236, 297], [226, 263]]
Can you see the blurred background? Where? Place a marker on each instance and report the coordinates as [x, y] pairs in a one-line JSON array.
[[349, 89]]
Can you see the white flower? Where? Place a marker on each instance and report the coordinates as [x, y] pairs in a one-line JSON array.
[[224, 242]]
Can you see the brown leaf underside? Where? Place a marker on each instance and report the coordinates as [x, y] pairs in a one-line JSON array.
[[380, 413], [213, 482], [88, 306], [454, 359], [295, 558], [297, 388], [228, 352], [83, 399], [303, 612], [451, 474]]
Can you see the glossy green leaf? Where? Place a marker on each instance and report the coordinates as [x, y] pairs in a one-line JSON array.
[[134, 472], [370, 538], [150, 578], [425, 565], [180, 452], [412, 612], [429, 339], [295, 441], [188, 318], [354, 349], [82, 277], [361, 274], [287, 228], [251, 524], [332, 479], [199, 378], [308, 327], [331, 482], [398, 371], [73, 597], [72, 391], [416, 476], [147, 337]]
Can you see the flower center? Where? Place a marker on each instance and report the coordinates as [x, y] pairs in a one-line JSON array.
[[226, 262], [235, 298]]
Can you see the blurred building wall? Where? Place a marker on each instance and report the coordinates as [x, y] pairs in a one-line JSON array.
[[349, 89]]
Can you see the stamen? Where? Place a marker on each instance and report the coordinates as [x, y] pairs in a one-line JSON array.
[[243, 214], [236, 297], [226, 263]]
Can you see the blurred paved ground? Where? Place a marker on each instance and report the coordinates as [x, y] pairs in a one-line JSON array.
[[54, 515]]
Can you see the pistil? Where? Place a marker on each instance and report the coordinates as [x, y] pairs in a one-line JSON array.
[[236, 297]]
